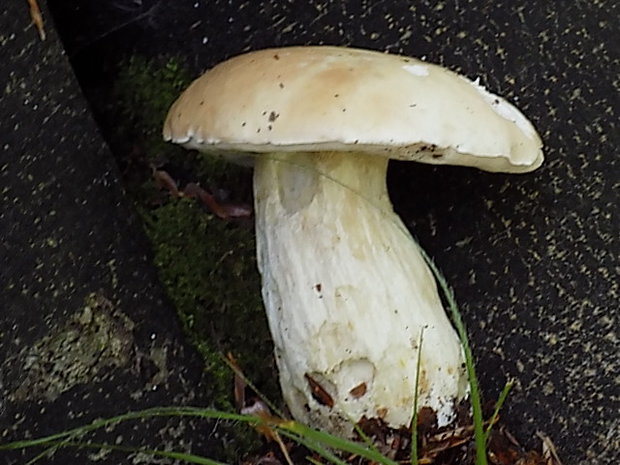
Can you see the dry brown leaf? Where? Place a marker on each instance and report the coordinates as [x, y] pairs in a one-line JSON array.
[[163, 180], [223, 211], [37, 18], [194, 191]]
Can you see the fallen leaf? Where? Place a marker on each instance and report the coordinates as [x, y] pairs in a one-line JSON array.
[[37, 18], [163, 180], [224, 211]]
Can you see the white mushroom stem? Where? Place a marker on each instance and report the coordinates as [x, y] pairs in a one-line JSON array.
[[348, 294]]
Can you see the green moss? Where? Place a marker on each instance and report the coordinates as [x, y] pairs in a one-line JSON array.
[[147, 89], [208, 267]]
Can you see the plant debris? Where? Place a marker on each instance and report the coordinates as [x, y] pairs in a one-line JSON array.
[[37, 18], [452, 445], [164, 181], [448, 447], [257, 407], [221, 210]]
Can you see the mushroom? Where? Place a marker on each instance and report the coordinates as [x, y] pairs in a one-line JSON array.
[[346, 290]]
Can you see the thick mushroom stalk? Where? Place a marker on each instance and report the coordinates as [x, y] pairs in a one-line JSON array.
[[348, 295]]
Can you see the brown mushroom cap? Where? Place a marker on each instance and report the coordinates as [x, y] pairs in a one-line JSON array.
[[340, 99]]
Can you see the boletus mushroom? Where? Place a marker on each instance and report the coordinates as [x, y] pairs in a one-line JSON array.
[[346, 290]]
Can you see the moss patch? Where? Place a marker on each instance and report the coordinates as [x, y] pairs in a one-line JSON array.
[[209, 268], [207, 265]]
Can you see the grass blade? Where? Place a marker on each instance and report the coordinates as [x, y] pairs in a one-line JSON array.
[[310, 445], [476, 403], [71, 434], [414, 418], [498, 406], [333, 442]]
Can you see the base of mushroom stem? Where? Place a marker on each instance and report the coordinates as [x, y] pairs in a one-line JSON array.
[[395, 443], [453, 444]]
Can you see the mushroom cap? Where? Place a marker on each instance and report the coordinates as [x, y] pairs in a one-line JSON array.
[[324, 98]]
